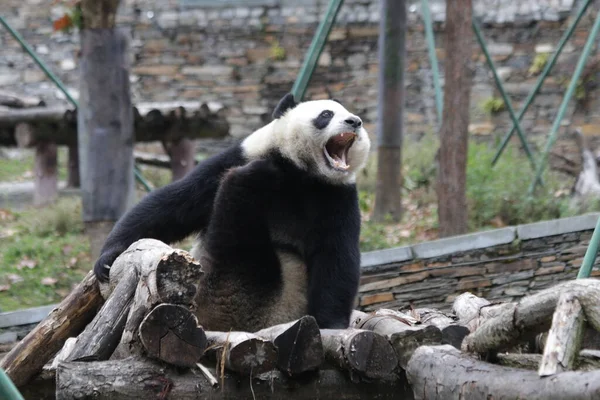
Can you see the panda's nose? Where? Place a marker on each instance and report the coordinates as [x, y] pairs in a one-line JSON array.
[[353, 121]]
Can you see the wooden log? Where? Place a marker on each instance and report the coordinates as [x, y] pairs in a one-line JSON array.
[[68, 319], [46, 174], [362, 352], [452, 332], [532, 315], [171, 333], [472, 310], [443, 372], [143, 379], [299, 345], [587, 360], [241, 352], [404, 337], [591, 340], [19, 100], [565, 336], [100, 338], [167, 275], [182, 157], [73, 180], [61, 123]]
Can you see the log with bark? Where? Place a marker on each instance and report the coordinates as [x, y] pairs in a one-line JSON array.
[[532, 315], [298, 343], [168, 121], [241, 352], [143, 379], [362, 352], [565, 336], [403, 336], [171, 333], [452, 332], [443, 372]]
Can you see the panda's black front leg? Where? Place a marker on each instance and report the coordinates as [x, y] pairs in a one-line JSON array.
[[333, 258], [334, 277]]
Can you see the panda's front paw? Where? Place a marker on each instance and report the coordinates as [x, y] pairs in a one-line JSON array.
[[103, 264]]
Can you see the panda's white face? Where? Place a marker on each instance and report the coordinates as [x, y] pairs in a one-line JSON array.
[[319, 134]]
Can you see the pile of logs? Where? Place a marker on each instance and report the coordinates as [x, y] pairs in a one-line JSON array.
[[138, 337]]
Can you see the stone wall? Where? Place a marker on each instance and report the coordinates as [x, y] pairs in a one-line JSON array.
[[247, 54], [503, 265]]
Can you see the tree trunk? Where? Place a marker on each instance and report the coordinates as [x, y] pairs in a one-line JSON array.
[[454, 132], [104, 121], [392, 50]]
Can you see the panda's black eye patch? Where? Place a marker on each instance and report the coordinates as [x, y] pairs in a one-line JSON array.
[[323, 119]]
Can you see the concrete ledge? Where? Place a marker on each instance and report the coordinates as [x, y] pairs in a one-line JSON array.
[[557, 226], [386, 256], [25, 317], [467, 242]]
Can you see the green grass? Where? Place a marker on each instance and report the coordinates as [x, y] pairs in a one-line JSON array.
[[12, 170], [43, 253]]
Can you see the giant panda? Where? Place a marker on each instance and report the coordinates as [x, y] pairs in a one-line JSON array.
[[277, 220]]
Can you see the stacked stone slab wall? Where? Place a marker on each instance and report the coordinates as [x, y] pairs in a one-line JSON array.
[[246, 54], [500, 265]]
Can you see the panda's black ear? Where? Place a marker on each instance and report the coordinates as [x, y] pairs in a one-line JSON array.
[[286, 103]]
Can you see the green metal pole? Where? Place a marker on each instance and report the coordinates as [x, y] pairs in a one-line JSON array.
[[563, 107], [60, 85], [529, 100], [439, 95], [8, 390], [500, 87], [590, 253], [37, 60], [315, 49]]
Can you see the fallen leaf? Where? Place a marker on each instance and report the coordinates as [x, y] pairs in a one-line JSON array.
[[26, 262], [4, 288], [7, 233], [48, 281], [67, 249], [73, 261], [14, 278], [5, 215]]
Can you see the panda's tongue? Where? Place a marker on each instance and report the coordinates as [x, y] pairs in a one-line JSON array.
[[337, 149]]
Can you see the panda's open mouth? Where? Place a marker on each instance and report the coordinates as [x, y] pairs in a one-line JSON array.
[[336, 150]]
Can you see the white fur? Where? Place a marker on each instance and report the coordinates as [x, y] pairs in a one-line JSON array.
[[295, 136]]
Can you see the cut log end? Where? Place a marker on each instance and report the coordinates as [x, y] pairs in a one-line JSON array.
[[171, 333], [299, 345]]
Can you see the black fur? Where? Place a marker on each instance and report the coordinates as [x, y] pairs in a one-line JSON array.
[[286, 103], [172, 212], [245, 215], [323, 119], [318, 221]]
